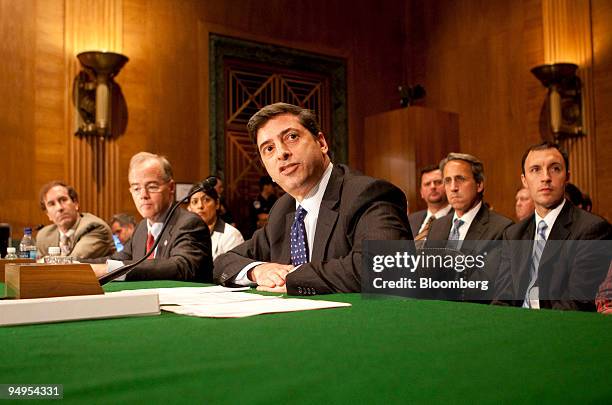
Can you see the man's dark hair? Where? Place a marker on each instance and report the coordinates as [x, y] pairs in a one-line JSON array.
[[264, 181], [544, 146], [573, 193], [307, 118], [587, 203], [123, 219], [45, 189], [427, 169]]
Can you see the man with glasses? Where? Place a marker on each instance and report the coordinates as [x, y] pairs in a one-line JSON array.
[[184, 250]]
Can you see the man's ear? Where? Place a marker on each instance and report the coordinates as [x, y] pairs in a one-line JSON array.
[[524, 181], [322, 142]]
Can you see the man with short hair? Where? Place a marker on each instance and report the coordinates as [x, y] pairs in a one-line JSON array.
[[434, 195], [184, 251], [471, 227], [312, 243], [524, 204], [123, 225], [545, 262], [79, 235], [260, 208]]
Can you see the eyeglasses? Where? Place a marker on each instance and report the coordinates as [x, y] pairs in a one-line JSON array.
[[150, 188]]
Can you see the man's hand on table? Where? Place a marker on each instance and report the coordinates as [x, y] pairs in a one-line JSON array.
[[99, 269], [270, 276]]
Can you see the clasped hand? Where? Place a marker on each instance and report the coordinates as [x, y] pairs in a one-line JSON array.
[[270, 276]]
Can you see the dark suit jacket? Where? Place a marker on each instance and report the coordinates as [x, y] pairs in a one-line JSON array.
[[354, 208], [570, 271], [184, 251], [416, 220], [485, 230]]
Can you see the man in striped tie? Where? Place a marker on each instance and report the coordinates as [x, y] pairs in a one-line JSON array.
[[557, 257], [434, 195]]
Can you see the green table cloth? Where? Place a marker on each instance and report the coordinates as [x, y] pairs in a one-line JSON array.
[[388, 350]]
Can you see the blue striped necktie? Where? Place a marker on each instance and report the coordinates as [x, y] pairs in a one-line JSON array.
[[453, 239], [533, 293], [299, 246]]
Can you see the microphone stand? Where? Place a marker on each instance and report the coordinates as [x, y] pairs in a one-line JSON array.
[[108, 277]]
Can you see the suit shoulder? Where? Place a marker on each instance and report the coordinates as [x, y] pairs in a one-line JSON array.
[[46, 231], [417, 214], [591, 223], [500, 219], [184, 217], [356, 183], [90, 219]]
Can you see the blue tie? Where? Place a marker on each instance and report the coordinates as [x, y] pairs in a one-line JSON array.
[[299, 246], [533, 292], [453, 239]]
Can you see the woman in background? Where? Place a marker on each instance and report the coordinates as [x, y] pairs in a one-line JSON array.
[[224, 237]]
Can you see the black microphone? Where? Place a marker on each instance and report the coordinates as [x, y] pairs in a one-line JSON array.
[[108, 277]]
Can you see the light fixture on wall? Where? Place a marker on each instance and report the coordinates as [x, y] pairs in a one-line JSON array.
[[563, 111], [101, 108]]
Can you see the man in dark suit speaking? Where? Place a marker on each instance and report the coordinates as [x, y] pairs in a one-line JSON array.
[[313, 240]]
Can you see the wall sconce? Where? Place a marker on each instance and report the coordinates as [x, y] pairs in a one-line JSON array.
[[564, 98], [410, 94], [98, 100]]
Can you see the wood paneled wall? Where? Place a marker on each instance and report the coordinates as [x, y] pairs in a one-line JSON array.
[[602, 86], [473, 57], [165, 83]]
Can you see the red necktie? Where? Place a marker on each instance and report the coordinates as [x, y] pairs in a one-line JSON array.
[[150, 242]]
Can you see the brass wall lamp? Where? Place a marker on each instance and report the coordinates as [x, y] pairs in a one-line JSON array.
[[98, 100], [564, 106]]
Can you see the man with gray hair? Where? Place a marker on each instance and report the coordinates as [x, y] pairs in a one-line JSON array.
[[471, 219], [184, 251]]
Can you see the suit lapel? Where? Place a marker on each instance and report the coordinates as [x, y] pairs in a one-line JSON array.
[[523, 251], [138, 240], [559, 231], [479, 224], [440, 228], [285, 252], [327, 215], [164, 240]]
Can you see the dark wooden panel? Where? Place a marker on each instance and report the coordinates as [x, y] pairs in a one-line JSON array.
[[473, 57], [399, 142], [602, 80]]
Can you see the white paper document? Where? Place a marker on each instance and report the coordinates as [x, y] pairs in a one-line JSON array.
[[223, 302]]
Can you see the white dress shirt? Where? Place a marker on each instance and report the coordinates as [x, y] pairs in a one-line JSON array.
[[312, 204]]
